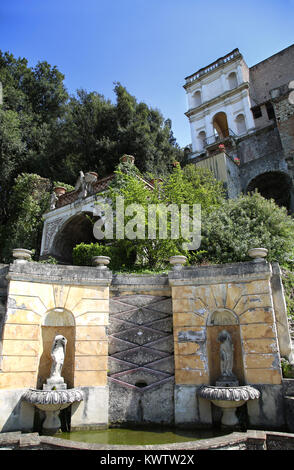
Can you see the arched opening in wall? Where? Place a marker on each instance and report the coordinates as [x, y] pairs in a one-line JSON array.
[[78, 229], [201, 140], [240, 124], [273, 185], [232, 80], [219, 320], [197, 100], [220, 125], [57, 321]]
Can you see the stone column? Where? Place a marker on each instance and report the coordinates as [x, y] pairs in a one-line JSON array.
[[250, 124]]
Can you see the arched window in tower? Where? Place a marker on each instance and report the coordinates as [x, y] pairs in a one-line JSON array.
[[201, 140], [197, 99], [220, 125], [240, 124], [232, 79]]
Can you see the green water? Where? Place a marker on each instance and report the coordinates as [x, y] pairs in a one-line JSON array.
[[137, 436]]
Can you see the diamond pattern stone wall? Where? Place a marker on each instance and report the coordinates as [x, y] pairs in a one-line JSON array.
[[141, 359]]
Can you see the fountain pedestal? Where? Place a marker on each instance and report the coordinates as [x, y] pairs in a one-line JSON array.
[[54, 397], [52, 402], [228, 399]]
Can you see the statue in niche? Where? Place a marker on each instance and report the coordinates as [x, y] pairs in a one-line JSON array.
[[57, 354], [226, 353]]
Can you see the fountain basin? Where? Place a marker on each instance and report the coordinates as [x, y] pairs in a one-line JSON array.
[[52, 402], [228, 399]]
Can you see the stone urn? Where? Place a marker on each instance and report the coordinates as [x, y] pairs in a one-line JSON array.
[[52, 402], [59, 191], [101, 262], [127, 159], [178, 261], [257, 254], [21, 255], [228, 399]]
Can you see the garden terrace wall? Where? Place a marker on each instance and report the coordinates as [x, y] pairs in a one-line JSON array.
[[142, 337]]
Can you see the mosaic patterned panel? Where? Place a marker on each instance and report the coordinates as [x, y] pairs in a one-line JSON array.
[[141, 353]]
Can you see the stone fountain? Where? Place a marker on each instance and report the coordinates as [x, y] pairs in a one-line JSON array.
[[55, 396], [227, 394]]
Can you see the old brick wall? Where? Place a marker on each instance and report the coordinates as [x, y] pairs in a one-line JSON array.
[[284, 110], [271, 73]]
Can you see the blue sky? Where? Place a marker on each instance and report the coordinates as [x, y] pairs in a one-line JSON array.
[[149, 46]]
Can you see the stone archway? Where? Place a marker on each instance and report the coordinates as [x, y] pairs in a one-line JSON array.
[[77, 229], [273, 185]]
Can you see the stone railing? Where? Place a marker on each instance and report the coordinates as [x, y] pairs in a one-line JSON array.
[[222, 60], [213, 139]]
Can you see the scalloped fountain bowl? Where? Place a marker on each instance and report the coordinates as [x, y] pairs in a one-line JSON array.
[[52, 402], [228, 399]]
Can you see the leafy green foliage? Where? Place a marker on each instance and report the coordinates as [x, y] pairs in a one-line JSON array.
[[189, 186], [28, 201], [46, 132], [119, 259], [243, 223]]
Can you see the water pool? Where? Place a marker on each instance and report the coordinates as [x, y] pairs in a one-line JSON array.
[[138, 436]]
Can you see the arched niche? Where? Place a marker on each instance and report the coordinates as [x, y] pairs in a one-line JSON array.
[[223, 319], [57, 321], [201, 140], [232, 80], [240, 124], [197, 100]]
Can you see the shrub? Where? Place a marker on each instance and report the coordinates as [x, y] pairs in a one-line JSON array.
[[243, 223], [120, 258]]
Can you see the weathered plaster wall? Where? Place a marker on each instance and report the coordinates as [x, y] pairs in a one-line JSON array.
[[161, 334], [243, 289]]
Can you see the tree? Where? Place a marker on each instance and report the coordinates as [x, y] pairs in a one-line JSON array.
[[33, 100], [155, 243], [45, 132], [28, 201]]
